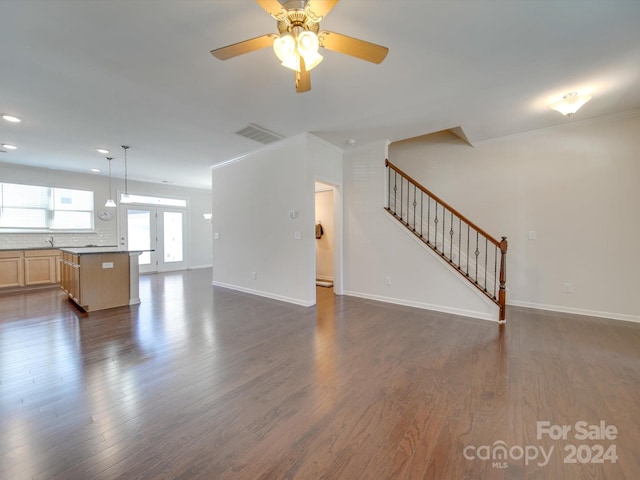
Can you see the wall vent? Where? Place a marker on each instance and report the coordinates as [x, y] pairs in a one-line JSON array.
[[258, 134]]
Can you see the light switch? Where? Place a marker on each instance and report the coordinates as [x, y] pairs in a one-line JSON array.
[[297, 235], [107, 264], [532, 234]]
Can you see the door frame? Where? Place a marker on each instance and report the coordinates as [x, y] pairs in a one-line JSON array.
[[160, 265]]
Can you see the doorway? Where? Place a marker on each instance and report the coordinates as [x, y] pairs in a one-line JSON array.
[[159, 230], [325, 230]]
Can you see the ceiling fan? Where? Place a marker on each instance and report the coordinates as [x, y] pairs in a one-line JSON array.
[[299, 37]]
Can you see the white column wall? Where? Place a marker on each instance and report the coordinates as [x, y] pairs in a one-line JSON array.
[[255, 248]]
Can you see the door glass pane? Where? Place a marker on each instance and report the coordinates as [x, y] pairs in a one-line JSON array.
[[139, 233], [172, 237]]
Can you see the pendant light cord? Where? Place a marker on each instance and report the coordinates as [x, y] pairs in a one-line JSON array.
[[126, 189]]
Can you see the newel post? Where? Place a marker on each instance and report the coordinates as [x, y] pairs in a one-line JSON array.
[[502, 294]]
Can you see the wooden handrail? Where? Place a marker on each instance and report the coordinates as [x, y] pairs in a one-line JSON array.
[[502, 245], [445, 204]]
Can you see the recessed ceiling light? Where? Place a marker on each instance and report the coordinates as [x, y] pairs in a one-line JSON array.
[[12, 118], [102, 150], [95, 170], [8, 146]]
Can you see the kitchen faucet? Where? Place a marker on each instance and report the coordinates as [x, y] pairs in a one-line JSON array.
[[50, 241]]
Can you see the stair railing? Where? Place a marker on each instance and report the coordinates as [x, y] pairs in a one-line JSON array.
[[472, 252]]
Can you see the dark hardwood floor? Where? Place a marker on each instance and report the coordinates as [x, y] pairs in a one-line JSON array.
[[199, 382]]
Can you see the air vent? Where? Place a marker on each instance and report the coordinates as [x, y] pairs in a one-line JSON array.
[[258, 134]]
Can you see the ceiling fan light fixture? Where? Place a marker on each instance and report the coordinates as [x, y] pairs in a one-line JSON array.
[[570, 103], [308, 45], [285, 49]]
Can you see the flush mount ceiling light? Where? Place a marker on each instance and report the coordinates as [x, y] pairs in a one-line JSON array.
[[9, 146], [570, 103], [11, 118], [299, 38]]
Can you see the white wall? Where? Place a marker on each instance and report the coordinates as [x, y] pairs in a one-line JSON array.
[[576, 186], [106, 233], [253, 231], [377, 247]]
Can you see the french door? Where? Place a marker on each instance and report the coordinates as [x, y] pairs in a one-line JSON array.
[[161, 231]]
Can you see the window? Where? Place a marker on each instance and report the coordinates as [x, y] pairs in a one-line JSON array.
[[161, 201], [33, 208]]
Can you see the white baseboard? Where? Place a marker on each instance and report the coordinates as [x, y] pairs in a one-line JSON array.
[[260, 293], [424, 306], [575, 311], [195, 267]]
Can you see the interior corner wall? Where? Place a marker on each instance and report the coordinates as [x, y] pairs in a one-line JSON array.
[[385, 262], [573, 187], [264, 218]]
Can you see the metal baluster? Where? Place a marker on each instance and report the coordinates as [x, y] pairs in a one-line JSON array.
[[435, 228], [414, 206], [459, 240], [421, 212], [395, 192], [388, 187], [429, 220], [486, 254], [408, 196], [451, 240], [444, 221], [468, 236], [477, 253], [401, 195]]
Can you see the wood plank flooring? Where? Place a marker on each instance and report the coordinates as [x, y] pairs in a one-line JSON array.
[[200, 382]]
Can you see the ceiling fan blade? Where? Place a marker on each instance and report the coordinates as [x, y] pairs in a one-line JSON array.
[[272, 7], [352, 46], [320, 8], [303, 78], [241, 48]]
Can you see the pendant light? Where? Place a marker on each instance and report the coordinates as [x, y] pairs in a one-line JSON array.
[[110, 202], [125, 195]]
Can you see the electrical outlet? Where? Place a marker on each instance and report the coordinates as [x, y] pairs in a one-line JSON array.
[[254, 275], [532, 234], [387, 280], [567, 287]]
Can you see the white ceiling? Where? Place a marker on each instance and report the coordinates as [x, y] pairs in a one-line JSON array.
[[90, 73]]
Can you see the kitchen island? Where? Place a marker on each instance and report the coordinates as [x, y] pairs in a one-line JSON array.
[[97, 278]]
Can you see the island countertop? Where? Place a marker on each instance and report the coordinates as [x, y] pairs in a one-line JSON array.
[[97, 250]]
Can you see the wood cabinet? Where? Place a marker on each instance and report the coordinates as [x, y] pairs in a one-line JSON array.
[[97, 281], [11, 269], [41, 266], [27, 268]]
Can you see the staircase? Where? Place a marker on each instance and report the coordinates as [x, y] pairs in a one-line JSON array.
[[472, 252]]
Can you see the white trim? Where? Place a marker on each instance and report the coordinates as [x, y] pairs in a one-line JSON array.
[[196, 267], [575, 311], [424, 306], [262, 294]]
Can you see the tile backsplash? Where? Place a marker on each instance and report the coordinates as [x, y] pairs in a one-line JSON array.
[[36, 240]]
